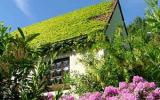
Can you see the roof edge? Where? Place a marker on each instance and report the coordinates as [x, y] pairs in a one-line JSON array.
[[122, 17], [115, 3]]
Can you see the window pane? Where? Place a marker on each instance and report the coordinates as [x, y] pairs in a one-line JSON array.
[[58, 72], [60, 66], [66, 68], [65, 63]]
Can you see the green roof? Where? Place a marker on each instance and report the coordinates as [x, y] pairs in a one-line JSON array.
[[83, 21]]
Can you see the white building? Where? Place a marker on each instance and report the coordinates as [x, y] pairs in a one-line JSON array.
[[63, 33]]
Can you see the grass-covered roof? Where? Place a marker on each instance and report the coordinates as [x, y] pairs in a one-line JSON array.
[[87, 20]]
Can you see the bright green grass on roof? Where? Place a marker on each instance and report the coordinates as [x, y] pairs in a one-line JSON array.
[[69, 25]]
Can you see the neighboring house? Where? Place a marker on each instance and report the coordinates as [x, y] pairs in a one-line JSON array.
[[73, 27]]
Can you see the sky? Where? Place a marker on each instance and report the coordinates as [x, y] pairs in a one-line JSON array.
[[20, 13]]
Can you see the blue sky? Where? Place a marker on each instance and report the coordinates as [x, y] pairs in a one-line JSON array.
[[20, 13]]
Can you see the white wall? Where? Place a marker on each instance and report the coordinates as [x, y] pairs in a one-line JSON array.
[[76, 66]]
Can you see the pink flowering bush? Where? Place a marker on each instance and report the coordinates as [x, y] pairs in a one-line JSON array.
[[50, 96], [69, 97], [139, 89]]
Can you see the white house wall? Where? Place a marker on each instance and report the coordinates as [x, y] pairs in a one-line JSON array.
[[76, 66]]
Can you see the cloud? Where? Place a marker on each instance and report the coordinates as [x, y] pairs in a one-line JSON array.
[[23, 5]]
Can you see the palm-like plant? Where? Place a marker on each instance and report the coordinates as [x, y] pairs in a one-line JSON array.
[[4, 37], [35, 84], [17, 60]]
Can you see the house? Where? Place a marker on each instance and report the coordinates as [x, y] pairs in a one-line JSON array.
[[64, 34]]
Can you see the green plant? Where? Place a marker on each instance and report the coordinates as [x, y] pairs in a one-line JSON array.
[[138, 89], [103, 70], [124, 57], [136, 54], [17, 61], [36, 83], [138, 26], [152, 15], [4, 37]]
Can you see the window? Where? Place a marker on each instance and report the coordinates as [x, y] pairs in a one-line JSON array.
[[59, 68]]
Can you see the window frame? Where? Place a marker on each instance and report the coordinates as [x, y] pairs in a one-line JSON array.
[[54, 68]]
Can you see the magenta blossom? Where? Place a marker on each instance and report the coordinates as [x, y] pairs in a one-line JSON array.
[[123, 85], [85, 96], [111, 91], [95, 96], [128, 96], [112, 98], [150, 97], [50, 96], [139, 89], [152, 85], [137, 79], [67, 97], [156, 93], [131, 87]]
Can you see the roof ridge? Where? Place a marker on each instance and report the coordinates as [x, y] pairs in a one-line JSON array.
[[114, 4]]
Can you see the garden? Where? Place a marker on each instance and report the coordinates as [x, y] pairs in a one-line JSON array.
[[129, 69]]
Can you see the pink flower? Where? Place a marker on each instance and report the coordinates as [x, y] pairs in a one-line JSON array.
[[85, 96], [131, 86], [123, 85], [111, 91], [150, 97], [125, 91], [140, 86], [128, 96], [137, 79], [137, 90], [112, 98], [95, 96], [67, 97], [156, 93], [152, 85], [50, 96], [146, 85]]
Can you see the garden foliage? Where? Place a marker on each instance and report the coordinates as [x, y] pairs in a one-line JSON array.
[[138, 89], [22, 71], [125, 56]]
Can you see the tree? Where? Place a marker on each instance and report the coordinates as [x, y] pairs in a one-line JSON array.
[[138, 26], [153, 15]]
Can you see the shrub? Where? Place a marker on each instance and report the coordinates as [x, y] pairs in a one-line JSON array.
[[124, 57], [138, 89], [17, 61]]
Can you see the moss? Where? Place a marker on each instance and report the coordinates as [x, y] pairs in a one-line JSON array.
[[70, 25]]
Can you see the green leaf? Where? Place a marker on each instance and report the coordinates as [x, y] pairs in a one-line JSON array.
[[21, 32], [31, 37]]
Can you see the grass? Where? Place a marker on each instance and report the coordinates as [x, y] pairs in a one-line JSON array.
[[78, 22]]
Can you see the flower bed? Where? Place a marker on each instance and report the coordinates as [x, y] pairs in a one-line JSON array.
[[139, 89]]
